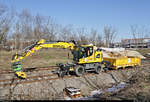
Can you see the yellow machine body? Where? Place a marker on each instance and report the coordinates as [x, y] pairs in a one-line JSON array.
[[41, 44], [85, 57], [93, 56], [123, 62], [21, 74]]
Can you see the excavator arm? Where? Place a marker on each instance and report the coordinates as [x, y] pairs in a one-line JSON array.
[[16, 58], [27, 51]]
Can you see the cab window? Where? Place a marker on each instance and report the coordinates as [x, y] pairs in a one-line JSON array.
[[85, 52], [89, 51], [82, 52]]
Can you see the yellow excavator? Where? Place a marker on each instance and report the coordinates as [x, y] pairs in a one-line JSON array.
[[85, 58]]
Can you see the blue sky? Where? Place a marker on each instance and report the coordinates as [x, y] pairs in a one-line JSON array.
[[91, 13]]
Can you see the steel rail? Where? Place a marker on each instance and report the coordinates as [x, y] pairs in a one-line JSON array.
[[29, 69]]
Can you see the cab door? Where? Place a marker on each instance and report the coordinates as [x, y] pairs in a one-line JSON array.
[[98, 56], [89, 52]]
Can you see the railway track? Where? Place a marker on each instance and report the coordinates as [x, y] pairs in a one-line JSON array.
[[30, 69], [147, 60], [47, 68], [39, 78]]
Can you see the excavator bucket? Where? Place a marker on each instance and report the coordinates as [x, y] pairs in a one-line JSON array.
[[21, 74]]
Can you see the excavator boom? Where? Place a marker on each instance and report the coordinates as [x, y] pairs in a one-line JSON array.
[[43, 44], [16, 58]]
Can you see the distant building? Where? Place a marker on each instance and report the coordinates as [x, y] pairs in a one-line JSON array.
[[117, 45], [136, 43]]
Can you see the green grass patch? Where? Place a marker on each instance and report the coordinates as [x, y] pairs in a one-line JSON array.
[[40, 58]]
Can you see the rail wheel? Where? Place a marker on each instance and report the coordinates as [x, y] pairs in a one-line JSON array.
[[61, 74], [79, 70]]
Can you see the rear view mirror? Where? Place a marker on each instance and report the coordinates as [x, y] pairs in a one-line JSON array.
[[99, 49]]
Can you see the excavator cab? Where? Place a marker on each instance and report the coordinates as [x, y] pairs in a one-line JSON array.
[[87, 54], [81, 52]]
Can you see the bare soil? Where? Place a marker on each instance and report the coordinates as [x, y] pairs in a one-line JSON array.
[[138, 88]]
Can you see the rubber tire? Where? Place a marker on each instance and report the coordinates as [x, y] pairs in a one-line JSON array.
[[98, 69], [79, 70]]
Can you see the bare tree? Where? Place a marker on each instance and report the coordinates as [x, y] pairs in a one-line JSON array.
[[92, 36], [44, 27], [25, 20], [28, 28], [5, 21], [16, 37], [82, 36], [134, 32], [24, 26], [67, 33], [38, 21], [109, 35], [50, 29], [73, 36], [22, 29], [138, 33], [143, 32], [99, 40]]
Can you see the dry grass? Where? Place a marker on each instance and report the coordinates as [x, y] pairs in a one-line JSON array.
[[44, 57]]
